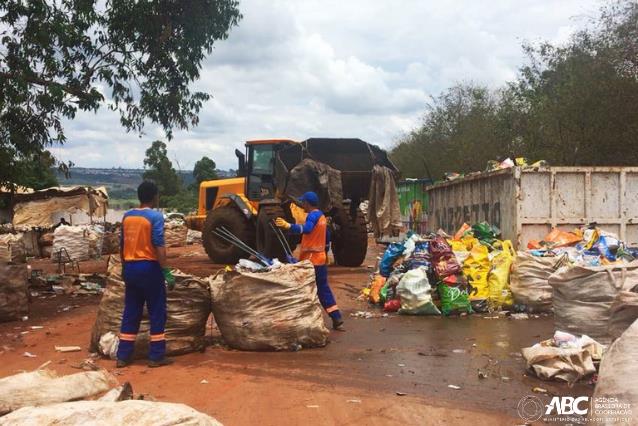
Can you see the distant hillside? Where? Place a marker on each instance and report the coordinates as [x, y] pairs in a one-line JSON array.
[[120, 183]]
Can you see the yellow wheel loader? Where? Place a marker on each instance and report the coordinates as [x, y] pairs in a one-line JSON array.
[[272, 174]]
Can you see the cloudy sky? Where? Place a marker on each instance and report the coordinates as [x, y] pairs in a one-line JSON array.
[[336, 68]]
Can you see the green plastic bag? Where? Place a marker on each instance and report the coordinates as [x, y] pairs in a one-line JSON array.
[[485, 233], [454, 300]]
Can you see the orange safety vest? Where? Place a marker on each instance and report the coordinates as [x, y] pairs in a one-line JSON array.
[[313, 245]]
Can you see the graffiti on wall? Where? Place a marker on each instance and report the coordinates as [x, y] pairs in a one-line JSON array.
[[451, 218]]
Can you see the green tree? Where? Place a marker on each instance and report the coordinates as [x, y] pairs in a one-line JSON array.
[[160, 170], [136, 57], [572, 104], [205, 169], [37, 171]]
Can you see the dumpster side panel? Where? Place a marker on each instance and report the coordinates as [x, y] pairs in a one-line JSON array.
[[570, 197], [488, 198], [525, 204]]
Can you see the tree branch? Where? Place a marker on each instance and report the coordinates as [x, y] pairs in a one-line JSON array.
[[32, 79]]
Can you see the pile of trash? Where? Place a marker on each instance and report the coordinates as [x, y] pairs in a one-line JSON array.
[[586, 246], [175, 232], [42, 397], [494, 165], [439, 273]]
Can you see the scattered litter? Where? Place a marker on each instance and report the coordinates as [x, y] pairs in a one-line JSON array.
[[482, 374], [68, 348], [204, 382], [365, 315], [354, 401], [503, 344], [539, 390], [36, 327], [87, 365], [521, 316], [458, 351], [29, 355], [312, 406], [401, 393], [25, 318], [455, 387], [24, 332], [505, 378], [401, 365]]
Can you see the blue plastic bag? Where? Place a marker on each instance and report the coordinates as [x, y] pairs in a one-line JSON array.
[[392, 253]]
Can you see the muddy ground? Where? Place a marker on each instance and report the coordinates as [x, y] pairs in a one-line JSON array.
[[393, 369]]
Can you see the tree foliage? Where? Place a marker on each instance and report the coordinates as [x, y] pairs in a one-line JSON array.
[[58, 57], [159, 169], [570, 105], [205, 169]]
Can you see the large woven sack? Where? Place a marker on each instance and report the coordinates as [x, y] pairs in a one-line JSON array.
[[12, 248], [14, 296], [95, 237], [102, 413], [187, 306], [624, 312], [617, 381], [274, 310], [42, 387], [73, 239], [583, 297], [529, 281], [175, 234]]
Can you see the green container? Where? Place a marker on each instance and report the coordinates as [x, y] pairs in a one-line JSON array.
[[413, 201]]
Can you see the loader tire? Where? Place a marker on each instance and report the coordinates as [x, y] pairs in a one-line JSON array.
[[267, 242], [219, 250], [350, 244]]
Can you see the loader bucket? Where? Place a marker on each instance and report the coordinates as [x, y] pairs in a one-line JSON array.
[[354, 158]]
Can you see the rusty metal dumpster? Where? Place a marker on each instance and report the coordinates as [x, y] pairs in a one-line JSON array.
[[525, 203]]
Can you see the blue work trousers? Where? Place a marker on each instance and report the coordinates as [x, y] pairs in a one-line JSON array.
[[145, 284], [324, 292]]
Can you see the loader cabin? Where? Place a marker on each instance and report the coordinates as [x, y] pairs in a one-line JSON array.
[[254, 182]]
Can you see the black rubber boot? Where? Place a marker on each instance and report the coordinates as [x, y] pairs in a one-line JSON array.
[[122, 363], [337, 324], [160, 362]]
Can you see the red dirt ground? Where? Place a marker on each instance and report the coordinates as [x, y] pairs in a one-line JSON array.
[[354, 380]]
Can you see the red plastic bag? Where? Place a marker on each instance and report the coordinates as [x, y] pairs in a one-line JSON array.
[[392, 305]]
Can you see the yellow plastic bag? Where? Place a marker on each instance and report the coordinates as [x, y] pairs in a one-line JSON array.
[[499, 278], [476, 269], [457, 245]]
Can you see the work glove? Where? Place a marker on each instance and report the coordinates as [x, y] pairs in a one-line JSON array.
[[281, 223], [291, 259], [169, 278]]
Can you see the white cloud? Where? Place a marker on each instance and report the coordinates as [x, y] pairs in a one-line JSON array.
[[352, 68]]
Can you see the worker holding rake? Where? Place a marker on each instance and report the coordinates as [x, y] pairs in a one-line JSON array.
[[313, 248]]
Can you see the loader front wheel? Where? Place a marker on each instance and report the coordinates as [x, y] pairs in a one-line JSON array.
[[219, 250], [267, 242]]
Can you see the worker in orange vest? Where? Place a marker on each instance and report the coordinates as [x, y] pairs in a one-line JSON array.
[[313, 248]]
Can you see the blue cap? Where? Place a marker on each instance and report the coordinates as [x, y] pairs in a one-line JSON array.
[[310, 197]]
